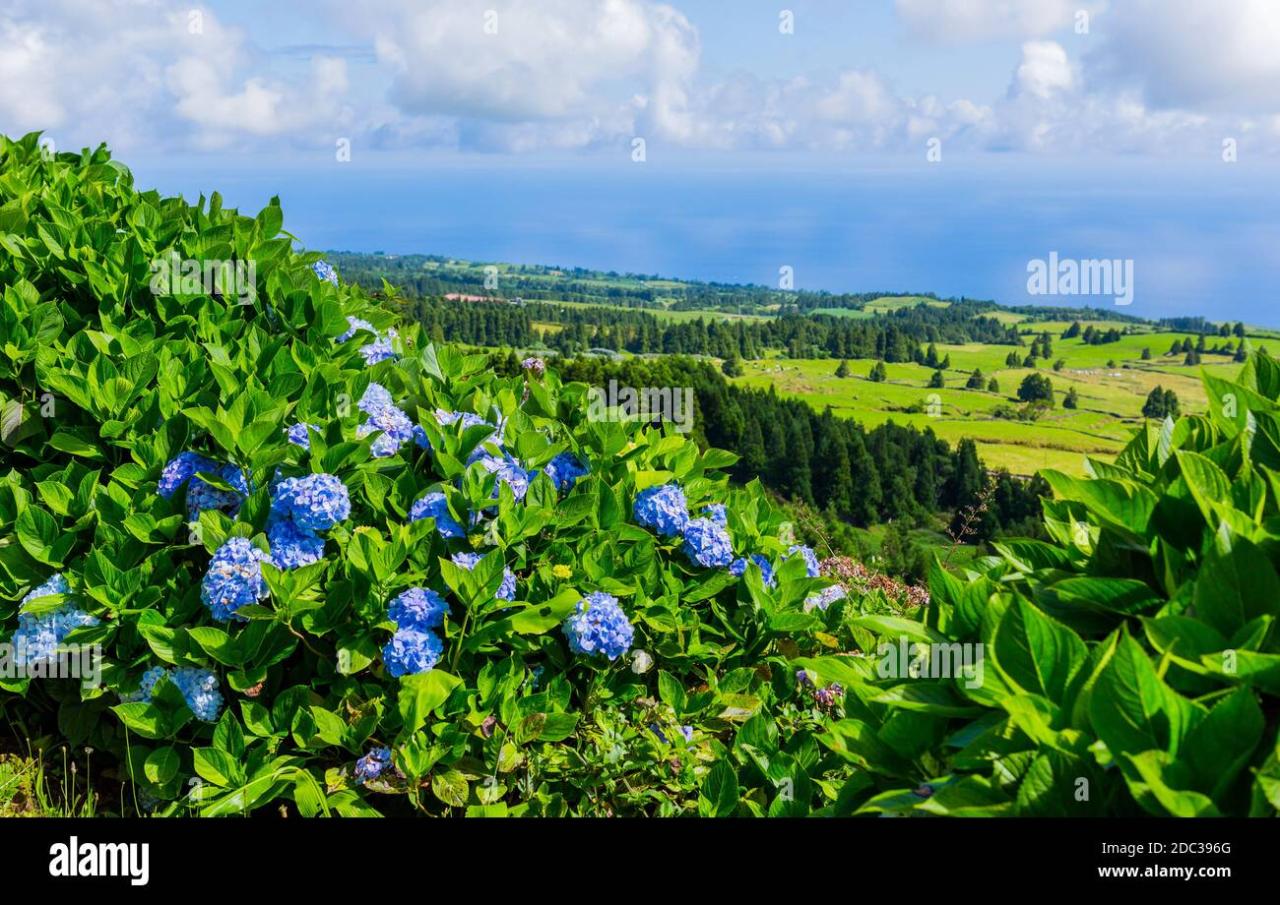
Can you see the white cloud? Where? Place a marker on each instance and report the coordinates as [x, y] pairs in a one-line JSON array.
[[151, 73], [586, 65], [979, 20], [1173, 76], [1045, 69], [1210, 57]]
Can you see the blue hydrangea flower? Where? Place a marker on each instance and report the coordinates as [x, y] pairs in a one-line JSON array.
[[599, 626], [418, 608], [324, 270], [506, 591], [384, 416], [55, 584], [299, 434], [200, 689], [716, 512], [825, 597], [147, 688], [378, 350], [315, 502], [355, 325], [180, 469], [234, 578], [663, 509], [435, 505], [810, 559], [420, 437], [739, 568], [410, 652], [372, 764], [375, 398], [201, 496], [508, 473], [707, 544], [39, 635], [291, 547], [687, 732], [564, 471]]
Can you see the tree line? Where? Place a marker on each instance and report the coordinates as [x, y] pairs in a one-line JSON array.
[[852, 474]]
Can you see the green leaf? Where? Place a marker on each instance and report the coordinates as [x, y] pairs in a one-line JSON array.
[[162, 765], [422, 693], [718, 795], [1038, 654]]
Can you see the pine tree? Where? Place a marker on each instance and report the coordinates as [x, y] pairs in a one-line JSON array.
[[993, 386], [1071, 400], [843, 369], [879, 374], [976, 380], [936, 381]]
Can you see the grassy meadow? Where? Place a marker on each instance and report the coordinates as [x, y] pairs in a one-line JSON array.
[[1110, 398]]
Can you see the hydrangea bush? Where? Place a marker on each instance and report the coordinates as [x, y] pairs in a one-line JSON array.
[[332, 566]]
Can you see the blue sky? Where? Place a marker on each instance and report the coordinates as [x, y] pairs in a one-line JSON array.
[[911, 144]]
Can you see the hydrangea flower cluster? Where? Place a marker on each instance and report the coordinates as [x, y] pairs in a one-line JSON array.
[[506, 591], [705, 540], [183, 468], [414, 647], [314, 502], [397, 429], [410, 652], [825, 597], [372, 765], [708, 544], [234, 578], [716, 512], [811, 565], [378, 350], [299, 434], [507, 472], [325, 271], [599, 626], [199, 689], [435, 505], [291, 547], [564, 471], [301, 508], [39, 635], [739, 568], [418, 608], [663, 509]]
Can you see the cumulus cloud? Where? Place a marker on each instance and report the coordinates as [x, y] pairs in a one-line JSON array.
[[150, 74], [1209, 57], [980, 20], [530, 75]]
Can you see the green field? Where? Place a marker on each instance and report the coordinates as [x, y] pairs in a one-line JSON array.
[[1110, 399]]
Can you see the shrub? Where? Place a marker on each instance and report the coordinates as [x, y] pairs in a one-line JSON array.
[[366, 581], [1130, 663]]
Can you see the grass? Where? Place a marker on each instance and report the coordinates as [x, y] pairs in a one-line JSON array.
[[1110, 398], [30, 786]]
